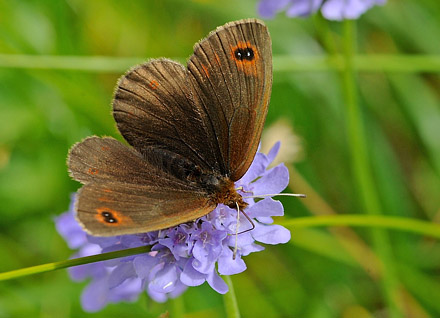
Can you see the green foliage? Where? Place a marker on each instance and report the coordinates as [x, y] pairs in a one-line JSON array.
[[369, 127]]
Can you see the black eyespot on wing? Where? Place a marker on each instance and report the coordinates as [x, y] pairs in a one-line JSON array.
[[244, 54], [108, 217]]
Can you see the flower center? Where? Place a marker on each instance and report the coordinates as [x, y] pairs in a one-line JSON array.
[[179, 238], [205, 237]]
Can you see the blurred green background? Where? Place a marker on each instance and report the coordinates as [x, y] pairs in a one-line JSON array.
[[47, 104]]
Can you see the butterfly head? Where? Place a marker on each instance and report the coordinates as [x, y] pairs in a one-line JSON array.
[[228, 195]]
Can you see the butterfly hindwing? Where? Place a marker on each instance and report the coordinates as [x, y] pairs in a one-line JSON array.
[[125, 194], [119, 208]]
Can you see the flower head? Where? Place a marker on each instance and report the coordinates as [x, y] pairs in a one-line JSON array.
[[330, 9], [186, 255]]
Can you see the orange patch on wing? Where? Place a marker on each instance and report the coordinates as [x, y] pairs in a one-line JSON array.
[[153, 84], [246, 64], [110, 217], [104, 199], [217, 59], [93, 171], [205, 70], [105, 148], [107, 190]]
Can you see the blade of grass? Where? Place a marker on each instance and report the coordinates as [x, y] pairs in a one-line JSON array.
[[72, 262], [362, 171], [347, 238], [396, 63], [376, 221]]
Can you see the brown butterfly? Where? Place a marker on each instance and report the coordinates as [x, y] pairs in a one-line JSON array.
[[193, 132]]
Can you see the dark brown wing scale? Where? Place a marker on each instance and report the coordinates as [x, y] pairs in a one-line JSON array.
[[194, 131], [135, 195], [231, 72]]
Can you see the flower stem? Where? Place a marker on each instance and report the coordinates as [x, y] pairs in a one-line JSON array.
[[177, 307], [72, 262], [231, 304], [361, 168], [380, 221]]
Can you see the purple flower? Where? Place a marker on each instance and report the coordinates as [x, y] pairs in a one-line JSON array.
[[330, 9], [186, 255]]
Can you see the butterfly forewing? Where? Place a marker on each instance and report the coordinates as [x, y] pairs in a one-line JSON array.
[[231, 72], [154, 111]]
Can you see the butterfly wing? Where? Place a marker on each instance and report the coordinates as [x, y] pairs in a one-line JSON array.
[[125, 194], [231, 75], [118, 208], [187, 125], [211, 114], [155, 112]]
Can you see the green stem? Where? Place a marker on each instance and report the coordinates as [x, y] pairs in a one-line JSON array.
[[72, 262], [361, 168], [177, 307], [281, 63], [230, 300], [377, 221]]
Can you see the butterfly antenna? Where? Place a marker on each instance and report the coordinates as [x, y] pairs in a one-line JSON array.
[[299, 195]]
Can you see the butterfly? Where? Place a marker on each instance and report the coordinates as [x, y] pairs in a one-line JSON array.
[[192, 132]]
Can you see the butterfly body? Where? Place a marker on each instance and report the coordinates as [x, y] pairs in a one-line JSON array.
[[193, 131]]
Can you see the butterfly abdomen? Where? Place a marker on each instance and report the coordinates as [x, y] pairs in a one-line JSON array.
[[221, 189], [183, 169]]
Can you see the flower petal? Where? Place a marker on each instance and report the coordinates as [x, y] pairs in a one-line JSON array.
[[274, 181], [156, 296], [143, 265], [203, 262], [268, 8], [273, 152], [129, 241], [256, 169], [94, 296], [242, 239], [129, 290], [164, 280], [303, 8], [120, 273], [265, 207], [104, 241], [343, 9], [222, 217], [192, 277], [217, 283], [271, 234], [227, 265], [178, 290], [250, 248], [70, 230]]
